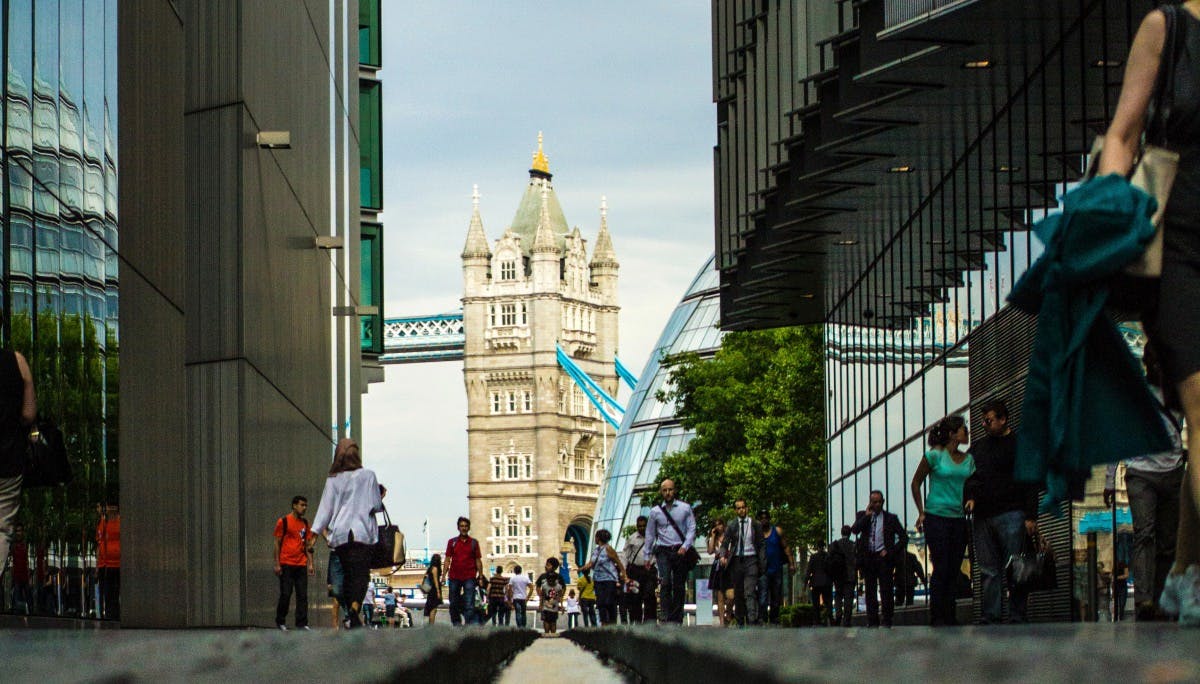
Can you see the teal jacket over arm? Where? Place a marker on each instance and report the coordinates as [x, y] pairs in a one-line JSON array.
[[1086, 398]]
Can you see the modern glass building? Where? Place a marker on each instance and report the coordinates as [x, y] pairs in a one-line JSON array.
[[879, 165], [649, 429], [60, 281]]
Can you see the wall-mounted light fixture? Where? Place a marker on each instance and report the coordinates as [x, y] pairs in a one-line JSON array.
[[901, 169], [274, 140], [978, 64], [329, 242], [845, 243], [355, 311]]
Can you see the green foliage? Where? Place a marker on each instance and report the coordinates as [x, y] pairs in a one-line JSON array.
[[75, 374], [798, 615], [757, 409]]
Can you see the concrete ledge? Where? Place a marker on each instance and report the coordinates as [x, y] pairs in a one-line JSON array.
[[1008, 653], [420, 655]]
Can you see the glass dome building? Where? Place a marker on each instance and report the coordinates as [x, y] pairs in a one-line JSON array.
[[650, 428]]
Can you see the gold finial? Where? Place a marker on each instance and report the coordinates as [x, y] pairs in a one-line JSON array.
[[540, 163]]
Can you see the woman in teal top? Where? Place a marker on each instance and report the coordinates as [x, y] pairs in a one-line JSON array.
[[947, 467]]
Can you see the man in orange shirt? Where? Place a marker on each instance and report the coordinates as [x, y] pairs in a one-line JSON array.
[[293, 563], [108, 561]]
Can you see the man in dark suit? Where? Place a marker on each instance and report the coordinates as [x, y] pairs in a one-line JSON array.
[[743, 555], [882, 542]]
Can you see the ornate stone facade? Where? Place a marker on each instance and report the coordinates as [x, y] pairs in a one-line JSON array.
[[537, 447]]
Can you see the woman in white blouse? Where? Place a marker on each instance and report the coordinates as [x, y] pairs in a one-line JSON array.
[[346, 517]]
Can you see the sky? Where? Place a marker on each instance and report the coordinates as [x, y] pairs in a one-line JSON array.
[[622, 92]]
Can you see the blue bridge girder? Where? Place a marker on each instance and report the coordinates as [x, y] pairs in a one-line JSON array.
[[423, 339]]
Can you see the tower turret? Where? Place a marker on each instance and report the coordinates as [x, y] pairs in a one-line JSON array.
[[604, 264], [546, 255], [475, 254]]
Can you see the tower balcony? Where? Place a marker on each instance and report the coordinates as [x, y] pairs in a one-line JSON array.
[[576, 342], [506, 336]]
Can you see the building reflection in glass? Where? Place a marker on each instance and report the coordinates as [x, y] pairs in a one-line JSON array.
[[60, 293]]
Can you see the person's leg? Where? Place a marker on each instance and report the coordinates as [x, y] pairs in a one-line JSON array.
[[662, 559], [775, 587], [471, 612], [846, 599], [285, 596], [986, 534], [10, 504], [454, 595], [871, 572], [588, 606], [353, 556], [519, 609], [887, 593], [743, 591], [1166, 527], [1143, 504], [301, 584], [958, 551], [1009, 532], [937, 540]]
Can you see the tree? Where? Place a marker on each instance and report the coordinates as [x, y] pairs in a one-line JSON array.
[[758, 411]]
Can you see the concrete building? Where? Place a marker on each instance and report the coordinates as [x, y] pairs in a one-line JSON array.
[[536, 447], [240, 354]]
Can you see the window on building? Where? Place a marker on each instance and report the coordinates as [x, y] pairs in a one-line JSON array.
[[514, 468], [527, 514], [496, 403], [513, 529], [512, 401], [495, 514], [524, 314], [371, 292], [527, 460], [370, 144], [495, 549], [528, 547], [508, 314], [526, 401], [368, 32], [513, 548], [492, 316], [508, 270], [579, 467]]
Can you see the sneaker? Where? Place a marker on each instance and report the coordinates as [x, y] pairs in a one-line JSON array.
[[1173, 590], [1145, 611], [305, 628], [282, 628], [1189, 597]]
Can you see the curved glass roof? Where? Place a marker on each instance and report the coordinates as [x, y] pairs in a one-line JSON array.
[[650, 429]]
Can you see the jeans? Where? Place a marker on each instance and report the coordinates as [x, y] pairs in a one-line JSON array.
[[606, 601], [672, 579], [518, 610], [10, 503], [292, 577], [462, 602], [588, 607], [947, 540], [996, 540], [878, 573], [356, 572], [497, 611], [770, 595], [744, 571], [1154, 503]]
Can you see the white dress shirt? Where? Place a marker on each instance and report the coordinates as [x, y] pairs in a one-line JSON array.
[[349, 504]]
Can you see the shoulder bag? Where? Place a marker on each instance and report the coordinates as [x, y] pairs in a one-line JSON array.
[[692, 557], [1154, 169], [1033, 569], [388, 550], [46, 463]]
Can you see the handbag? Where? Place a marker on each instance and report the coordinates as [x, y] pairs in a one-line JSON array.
[[388, 550], [46, 463], [1033, 568], [1155, 167], [427, 585], [690, 559]]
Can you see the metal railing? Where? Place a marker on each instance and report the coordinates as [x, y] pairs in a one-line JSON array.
[[896, 12]]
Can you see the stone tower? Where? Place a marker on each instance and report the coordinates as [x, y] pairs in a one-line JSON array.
[[536, 445]]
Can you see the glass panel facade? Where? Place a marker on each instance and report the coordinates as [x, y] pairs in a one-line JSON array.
[[60, 290], [370, 145], [368, 32], [650, 429], [371, 291]]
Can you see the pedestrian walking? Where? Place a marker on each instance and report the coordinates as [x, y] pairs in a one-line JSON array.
[[573, 612], [346, 517], [742, 555], [776, 554], [18, 411], [464, 570], [670, 534], [497, 593], [518, 595], [720, 582], [639, 591], [293, 563], [550, 589], [433, 597], [1175, 324], [881, 541], [609, 576], [108, 560], [940, 512], [909, 574], [1003, 514], [819, 581], [587, 597], [844, 570]]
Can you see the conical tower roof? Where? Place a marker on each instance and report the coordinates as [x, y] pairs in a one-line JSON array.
[[477, 244], [545, 239], [604, 254], [525, 223]]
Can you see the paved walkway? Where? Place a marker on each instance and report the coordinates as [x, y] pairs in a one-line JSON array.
[[559, 659]]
